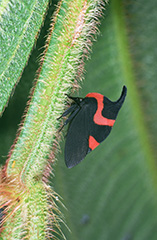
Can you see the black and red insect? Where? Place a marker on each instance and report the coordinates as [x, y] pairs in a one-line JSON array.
[[90, 122]]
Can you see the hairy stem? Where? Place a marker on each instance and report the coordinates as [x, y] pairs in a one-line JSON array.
[[73, 27]]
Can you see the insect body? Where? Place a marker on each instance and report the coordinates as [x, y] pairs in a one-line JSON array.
[[90, 122]]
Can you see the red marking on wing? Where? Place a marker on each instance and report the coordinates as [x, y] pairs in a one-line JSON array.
[[92, 142], [98, 117]]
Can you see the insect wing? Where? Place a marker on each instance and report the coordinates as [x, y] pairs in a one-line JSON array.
[[90, 126], [97, 135], [76, 145]]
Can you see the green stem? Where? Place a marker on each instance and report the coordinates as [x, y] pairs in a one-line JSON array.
[[73, 27]]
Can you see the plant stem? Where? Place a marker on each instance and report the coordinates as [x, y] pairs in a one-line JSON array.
[[73, 27]]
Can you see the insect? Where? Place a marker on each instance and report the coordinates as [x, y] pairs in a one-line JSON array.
[[90, 122]]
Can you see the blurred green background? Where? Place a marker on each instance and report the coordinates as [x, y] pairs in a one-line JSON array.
[[112, 194]]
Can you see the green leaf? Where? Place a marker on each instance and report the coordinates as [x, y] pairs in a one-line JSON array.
[[20, 22], [112, 194]]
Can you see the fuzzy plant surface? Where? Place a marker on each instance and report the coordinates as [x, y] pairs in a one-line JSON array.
[[20, 22], [28, 205], [112, 194]]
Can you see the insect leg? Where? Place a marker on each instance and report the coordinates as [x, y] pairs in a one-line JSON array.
[[69, 110], [70, 118]]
